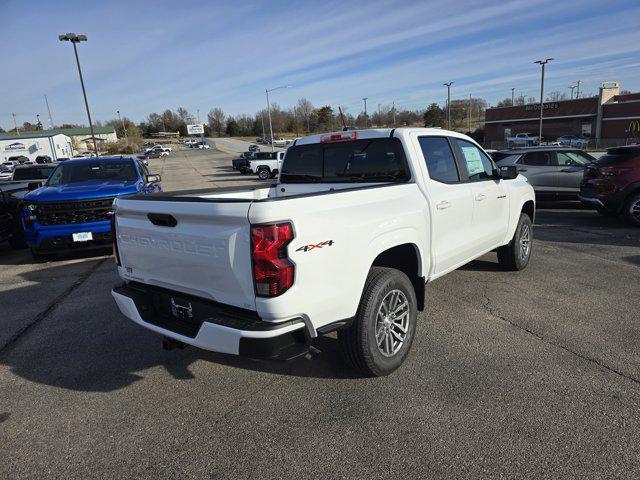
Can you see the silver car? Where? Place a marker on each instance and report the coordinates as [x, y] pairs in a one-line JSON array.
[[573, 141], [554, 173]]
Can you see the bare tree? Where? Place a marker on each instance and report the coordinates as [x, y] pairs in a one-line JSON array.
[[216, 120], [185, 116], [556, 96], [304, 108]]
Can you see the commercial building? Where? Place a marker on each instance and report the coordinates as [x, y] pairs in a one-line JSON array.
[[81, 136], [33, 145], [609, 119]]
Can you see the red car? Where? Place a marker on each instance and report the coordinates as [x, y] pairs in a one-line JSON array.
[[612, 183]]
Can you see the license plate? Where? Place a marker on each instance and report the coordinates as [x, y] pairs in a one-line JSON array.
[[82, 236]]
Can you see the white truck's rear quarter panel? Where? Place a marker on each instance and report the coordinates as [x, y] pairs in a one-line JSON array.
[[206, 254], [329, 279]]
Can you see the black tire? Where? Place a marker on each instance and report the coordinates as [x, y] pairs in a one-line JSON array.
[[359, 341], [38, 255], [244, 171], [264, 174], [632, 209], [513, 255]]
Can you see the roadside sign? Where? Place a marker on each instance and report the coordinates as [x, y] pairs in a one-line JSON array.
[[196, 129]]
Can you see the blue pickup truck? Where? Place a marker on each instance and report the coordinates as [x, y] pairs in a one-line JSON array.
[[73, 208]]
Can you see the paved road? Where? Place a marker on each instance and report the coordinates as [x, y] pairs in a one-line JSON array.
[[513, 375], [232, 145]]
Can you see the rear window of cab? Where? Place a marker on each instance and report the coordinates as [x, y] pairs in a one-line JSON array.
[[367, 160]]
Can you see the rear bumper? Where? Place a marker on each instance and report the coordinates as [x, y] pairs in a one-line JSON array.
[[210, 325], [596, 202]]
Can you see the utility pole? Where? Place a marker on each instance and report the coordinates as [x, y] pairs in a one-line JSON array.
[[365, 111], [448, 85], [393, 108], [295, 117], [513, 89], [74, 39], [542, 64], [571, 87], [124, 129], [469, 112], [269, 110], [379, 115], [264, 135], [15, 123], [46, 100], [578, 89]]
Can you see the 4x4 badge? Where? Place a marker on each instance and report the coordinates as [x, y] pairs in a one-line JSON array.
[[306, 248]]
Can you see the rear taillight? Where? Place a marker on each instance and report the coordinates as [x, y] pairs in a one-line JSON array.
[[114, 238], [612, 171], [272, 269]]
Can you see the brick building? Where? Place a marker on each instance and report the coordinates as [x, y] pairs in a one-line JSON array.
[[609, 119]]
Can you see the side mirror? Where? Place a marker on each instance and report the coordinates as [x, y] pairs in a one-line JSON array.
[[508, 172], [31, 186], [153, 178]]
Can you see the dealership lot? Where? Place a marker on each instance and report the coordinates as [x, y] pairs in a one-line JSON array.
[[526, 374]]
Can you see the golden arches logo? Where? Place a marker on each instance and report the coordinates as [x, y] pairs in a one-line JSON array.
[[634, 126]]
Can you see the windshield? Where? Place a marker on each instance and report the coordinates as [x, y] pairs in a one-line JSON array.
[[32, 173], [374, 160], [93, 172]]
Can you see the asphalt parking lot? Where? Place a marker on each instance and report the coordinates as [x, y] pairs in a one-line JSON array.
[[533, 374]]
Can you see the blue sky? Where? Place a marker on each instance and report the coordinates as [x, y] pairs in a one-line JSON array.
[[145, 56]]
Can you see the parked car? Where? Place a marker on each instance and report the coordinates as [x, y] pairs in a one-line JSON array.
[[200, 145], [266, 164], [32, 173], [612, 183], [158, 148], [62, 159], [523, 140], [253, 271], [5, 172], [41, 159], [73, 208], [280, 142], [254, 148], [573, 141], [143, 158], [242, 162], [554, 173], [18, 159]]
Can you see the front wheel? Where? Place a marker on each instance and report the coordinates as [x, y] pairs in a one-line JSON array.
[[516, 254], [380, 337], [632, 210]]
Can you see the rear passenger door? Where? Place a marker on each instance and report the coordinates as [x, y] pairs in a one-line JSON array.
[[490, 202], [541, 171], [451, 205], [571, 166]]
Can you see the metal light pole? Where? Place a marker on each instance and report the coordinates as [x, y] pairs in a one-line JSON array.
[[448, 85], [15, 123], [393, 108], [73, 38], [513, 89], [578, 89], [379, 114], [366, 117], [46, 100], [469, 112], [542, 64], [571, 87], [124, 129], [264, 135], [269, 110]]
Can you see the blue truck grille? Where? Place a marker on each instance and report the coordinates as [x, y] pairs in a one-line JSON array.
[[78, 211]]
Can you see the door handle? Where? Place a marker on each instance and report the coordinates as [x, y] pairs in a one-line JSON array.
[[443, 205], [480, 197]]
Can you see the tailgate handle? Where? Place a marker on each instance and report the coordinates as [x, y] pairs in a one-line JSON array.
[[162, 219]]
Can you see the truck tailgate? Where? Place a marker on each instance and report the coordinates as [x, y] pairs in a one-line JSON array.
[[199, 248]]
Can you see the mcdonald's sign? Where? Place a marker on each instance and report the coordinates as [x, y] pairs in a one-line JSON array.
[[634, 126]]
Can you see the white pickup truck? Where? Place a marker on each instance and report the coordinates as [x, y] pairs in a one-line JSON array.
[[346, 240], [266, 164], [523, 140]]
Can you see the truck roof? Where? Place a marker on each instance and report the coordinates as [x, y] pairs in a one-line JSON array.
[[98, 159], [381, 133]]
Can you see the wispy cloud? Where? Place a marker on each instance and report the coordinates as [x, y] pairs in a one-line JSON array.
[[147, 56]]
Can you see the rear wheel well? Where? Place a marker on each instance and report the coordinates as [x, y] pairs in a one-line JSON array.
[[530, 209], [406, 259]]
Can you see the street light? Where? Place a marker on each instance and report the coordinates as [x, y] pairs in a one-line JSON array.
[[124, 129], [73, 38], [269, 110], [448, 85], [542, 64], [571, 87]]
